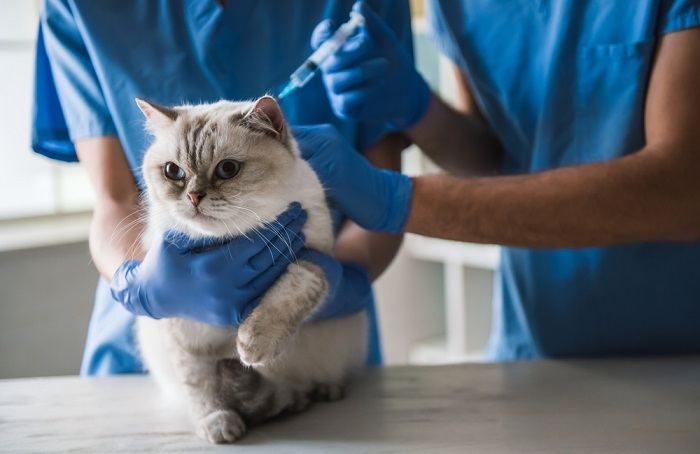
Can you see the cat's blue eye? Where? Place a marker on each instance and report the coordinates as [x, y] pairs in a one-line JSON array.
[[173, 172], [227, 169]]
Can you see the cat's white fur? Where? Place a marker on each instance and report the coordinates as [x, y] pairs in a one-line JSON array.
[[317, 354]]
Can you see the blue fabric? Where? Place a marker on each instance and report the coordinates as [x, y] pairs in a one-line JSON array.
[[110, 347], [93, 58], [564, 83]]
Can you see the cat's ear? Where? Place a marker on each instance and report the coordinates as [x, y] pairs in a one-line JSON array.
[[157, 116], [266, 116]]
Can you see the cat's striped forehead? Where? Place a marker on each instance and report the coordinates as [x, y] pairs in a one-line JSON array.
[[201, 129]]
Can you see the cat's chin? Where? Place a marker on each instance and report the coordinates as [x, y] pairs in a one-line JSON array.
[[196, 226]]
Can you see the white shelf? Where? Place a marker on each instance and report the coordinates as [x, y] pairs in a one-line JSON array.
[[467, 297], [435, 351], [44, 231], [472, 255]]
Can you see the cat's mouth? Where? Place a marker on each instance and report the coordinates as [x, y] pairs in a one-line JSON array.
[[197, 214]]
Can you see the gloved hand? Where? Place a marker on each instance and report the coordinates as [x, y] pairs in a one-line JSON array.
[[377, 199], [331, 267], [349, 291], [372, 77], [206, 281], [353, 294]]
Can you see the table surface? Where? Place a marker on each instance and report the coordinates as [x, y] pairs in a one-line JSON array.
[[647, 405]]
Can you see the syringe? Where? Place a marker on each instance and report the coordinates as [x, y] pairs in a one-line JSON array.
[[306, 71]]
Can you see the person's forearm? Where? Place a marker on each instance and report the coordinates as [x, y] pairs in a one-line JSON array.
[[458, 142], [371, 250], [118, 220], [374, 251], [651, 195], [115, 235]]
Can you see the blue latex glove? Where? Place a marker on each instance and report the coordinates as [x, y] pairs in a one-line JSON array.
[[349, 291], [214, 283], [372, 77], [377, 199]]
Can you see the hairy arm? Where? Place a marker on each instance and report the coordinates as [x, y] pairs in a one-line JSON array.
[[457, 138], [649, 195], [117, 222], [373, 250]]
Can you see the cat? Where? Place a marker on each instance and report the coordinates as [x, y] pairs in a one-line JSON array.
[[292, 362]]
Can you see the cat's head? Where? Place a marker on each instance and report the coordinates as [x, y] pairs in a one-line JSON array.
[[217, 169]]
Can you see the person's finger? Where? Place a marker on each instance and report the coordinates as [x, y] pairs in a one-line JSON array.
[[331, 267], [353, 103], [213, 255], [283, 248], [182, 243], [308, 138], [291, 214], [322, 32], [376, 27], [265, 279], [357, 49], [342, 81]]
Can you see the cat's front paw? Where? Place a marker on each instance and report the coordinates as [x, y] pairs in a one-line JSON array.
[[256, 347], [221, 426]]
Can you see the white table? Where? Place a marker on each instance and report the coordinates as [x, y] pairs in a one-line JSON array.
[[650, 405]]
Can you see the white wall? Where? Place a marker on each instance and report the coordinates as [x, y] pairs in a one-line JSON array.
[[46, 297], [409, 302]]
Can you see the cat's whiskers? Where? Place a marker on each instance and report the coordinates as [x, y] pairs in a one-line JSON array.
[[122, 229], [291, 255], [130, 252], [231, 234], [139, 223], [138, 211]]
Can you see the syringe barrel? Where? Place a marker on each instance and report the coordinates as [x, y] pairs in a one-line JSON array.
[[304, 73], [335, 42], [325, 50]]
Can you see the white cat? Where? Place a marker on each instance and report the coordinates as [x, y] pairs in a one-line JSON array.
[[292, 362]]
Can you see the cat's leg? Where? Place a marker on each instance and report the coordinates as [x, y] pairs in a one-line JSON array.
[[215, 420], [255, 397], [196, 369], [271, 326]]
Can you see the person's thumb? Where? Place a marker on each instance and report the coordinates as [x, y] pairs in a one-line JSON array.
[[322, 32], [374, 24], [307, 140]]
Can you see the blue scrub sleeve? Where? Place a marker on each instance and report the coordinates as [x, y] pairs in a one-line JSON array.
[[69, 103], [441, 29], [679, 14], [49, 130], [397, 15]]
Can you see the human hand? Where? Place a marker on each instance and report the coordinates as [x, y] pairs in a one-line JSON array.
[[377, 199], [349, 287], [205, 280], [372, 78]]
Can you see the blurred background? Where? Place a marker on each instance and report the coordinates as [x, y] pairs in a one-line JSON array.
[[434, 301]]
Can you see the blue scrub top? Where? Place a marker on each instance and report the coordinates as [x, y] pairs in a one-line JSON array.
[[564, 82], [93, 58]]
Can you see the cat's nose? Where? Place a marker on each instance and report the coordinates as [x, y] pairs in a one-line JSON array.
[[196, 197]]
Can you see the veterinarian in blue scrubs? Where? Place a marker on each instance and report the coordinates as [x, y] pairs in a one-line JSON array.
[[93, 58], [589, 112]]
